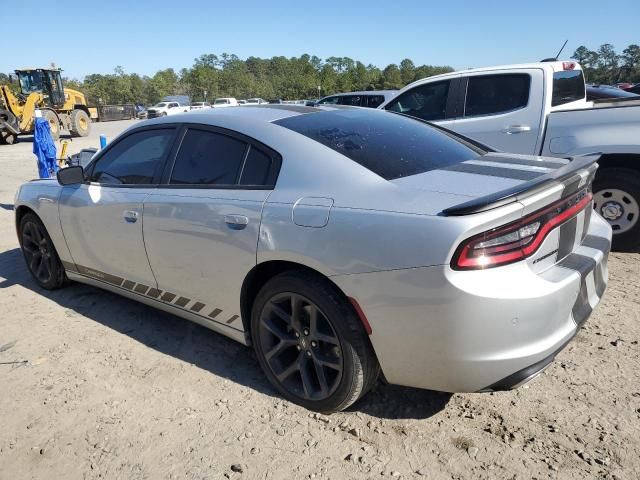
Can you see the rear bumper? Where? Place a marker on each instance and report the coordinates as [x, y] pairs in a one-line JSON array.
[[467, 331]]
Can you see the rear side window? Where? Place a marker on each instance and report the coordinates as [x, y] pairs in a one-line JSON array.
[[427, 101], [493, 94], [208, 158], [352, 100], [567, 87], [374, 101], [134, 160], [391, 146], [257, 168]]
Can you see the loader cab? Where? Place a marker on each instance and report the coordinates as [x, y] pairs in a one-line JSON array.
[[45, 81]]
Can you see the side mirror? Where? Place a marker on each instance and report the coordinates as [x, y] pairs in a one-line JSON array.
[[70, 175]]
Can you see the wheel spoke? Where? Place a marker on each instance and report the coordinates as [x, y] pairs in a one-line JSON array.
[[33, 264], [274, 329], [296, 312], [290, 370], [332, 363], [327, 339], [279, 311], [278, 348], [307, 384], [37, 234], [322, 380], [42, 269]]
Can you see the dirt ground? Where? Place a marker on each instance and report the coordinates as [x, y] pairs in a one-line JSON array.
[[99, 387]]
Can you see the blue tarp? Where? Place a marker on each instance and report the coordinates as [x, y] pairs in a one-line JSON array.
[[44, 148]]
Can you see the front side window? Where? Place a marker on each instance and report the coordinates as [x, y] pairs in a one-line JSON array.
[[427, 101], [329, 101], [134, 160], [208, 158], [493, 94]]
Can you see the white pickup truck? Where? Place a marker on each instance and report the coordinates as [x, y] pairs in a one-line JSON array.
[[162, 109], [541, 109]]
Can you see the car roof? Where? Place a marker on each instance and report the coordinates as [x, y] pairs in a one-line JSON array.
[[364, 92], [265, 113]]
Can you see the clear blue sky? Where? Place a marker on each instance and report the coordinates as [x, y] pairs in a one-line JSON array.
[[145, 36]]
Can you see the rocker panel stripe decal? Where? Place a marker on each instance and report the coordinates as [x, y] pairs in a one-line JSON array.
[[154, 293]]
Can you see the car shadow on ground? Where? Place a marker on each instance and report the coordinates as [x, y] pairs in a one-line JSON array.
[[200, 346]]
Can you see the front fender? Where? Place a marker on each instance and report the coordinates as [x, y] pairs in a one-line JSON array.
[[42, 197]]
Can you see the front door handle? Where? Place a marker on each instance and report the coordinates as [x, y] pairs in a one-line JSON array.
[[511, 129], [236, 222], [130, 216]]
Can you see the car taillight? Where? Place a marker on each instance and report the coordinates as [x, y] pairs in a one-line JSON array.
[[568, 65], [517, 240]]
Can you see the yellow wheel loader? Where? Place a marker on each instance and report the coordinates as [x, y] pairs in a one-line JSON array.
[[42, 89]]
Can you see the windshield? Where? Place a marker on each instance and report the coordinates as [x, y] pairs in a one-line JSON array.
[[160, 105], [31, 81], [221, 100]]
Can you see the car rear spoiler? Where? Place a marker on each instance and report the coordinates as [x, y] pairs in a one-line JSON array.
[[523, 190]]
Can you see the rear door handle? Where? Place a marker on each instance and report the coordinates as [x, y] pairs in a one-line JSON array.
[[511, 129], [130, 216], [236, 222]]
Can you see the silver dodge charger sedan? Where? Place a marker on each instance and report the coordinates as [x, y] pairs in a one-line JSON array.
[[340, 243]]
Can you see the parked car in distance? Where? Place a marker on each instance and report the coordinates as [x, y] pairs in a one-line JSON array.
[[275, 101], [256, 101], [200, 105], [162, 109], [371, 99], [225, 102], [634, 89], [393, 245], [242, 102], [599, 92], [541, 109]]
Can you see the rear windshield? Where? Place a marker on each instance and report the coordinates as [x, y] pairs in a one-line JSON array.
[[389, 144], [567, 87]]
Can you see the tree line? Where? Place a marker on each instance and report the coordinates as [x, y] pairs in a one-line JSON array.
[[605, 66], [226, 75]]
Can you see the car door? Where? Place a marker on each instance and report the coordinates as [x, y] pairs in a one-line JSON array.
[[431, 101], [201, 227], [102, 218], [503, 109]]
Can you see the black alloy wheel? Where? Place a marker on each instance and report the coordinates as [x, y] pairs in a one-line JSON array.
[[300, 346], [310, 343], [40, 254]]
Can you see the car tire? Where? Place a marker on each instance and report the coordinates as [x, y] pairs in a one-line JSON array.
[[54, 123], [40, 254], [164, 114], [80, 123], [616, 196], [324, 365]]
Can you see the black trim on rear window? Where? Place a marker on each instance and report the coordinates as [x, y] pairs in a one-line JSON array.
[[390, 145]]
